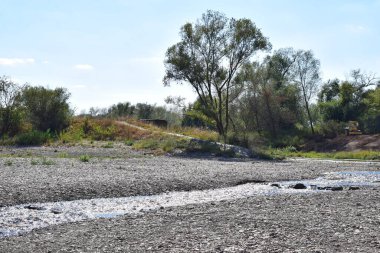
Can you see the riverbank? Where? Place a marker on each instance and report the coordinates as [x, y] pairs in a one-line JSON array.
[[322, 222]]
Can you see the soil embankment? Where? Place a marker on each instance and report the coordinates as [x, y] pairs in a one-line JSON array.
[[345, 143]]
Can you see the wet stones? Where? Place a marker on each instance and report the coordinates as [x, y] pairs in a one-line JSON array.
[[331, 188], [56, 211], [299, 186], [35, 207]]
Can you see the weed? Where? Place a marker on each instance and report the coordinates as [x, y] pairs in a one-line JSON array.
[[84, 158], [161, 143], [46, 161], [63, 155], [108, 145], [129, 142], [8, 163], [34, 162]]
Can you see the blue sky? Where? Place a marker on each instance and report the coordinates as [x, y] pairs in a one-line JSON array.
[[109, 51]]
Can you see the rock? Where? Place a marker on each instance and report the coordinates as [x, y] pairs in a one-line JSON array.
[[337, 188], [299, 186], [276, 185], [331, 188], [56, 211], [353, 188], [34, 207]]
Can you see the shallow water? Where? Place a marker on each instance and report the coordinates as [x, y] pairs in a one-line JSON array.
[[15, 220], [343, 179]]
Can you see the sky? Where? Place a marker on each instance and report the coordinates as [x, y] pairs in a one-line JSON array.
[[110, 51]]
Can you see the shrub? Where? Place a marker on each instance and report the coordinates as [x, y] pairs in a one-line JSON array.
[[47, 109], [32, 138], [331, 129], [129, 142]]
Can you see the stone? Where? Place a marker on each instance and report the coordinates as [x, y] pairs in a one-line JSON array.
[[56, 211], [34, 207], [299, 186]]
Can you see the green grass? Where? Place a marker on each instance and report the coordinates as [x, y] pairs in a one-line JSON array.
[[108, 145], [357, 155], [161, 144], [202, 134], [42, 161]]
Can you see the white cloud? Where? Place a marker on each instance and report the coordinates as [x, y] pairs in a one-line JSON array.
[[356, 29], [84, 67], [16, 61]]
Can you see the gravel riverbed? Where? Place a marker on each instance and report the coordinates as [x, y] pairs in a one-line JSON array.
[[343, 221]]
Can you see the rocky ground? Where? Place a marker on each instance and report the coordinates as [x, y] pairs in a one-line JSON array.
[[344, 221]]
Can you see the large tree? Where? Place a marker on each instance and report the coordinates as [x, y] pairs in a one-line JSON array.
[[307, 77], [208, 56]]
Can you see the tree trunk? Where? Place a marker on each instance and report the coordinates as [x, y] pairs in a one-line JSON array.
[[270, 114], [308, 110]]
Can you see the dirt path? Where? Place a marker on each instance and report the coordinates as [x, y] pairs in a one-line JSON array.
[[242, 152]]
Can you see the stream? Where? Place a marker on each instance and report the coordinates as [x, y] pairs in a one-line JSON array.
[[20, 219]]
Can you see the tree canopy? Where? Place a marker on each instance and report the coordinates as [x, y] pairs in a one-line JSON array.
[[210, 53]]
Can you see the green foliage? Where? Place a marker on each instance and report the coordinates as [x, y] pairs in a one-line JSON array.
[[196, 115], [103, 133], [331, 129], [232, 42], [129, 142], [32, 138], [121, 110], [370, 120], [47, 109], [11, 113], [350, 100], [84, 158], [144, 111]]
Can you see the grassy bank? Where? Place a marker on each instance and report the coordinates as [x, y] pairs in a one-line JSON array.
[[290, 152]]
